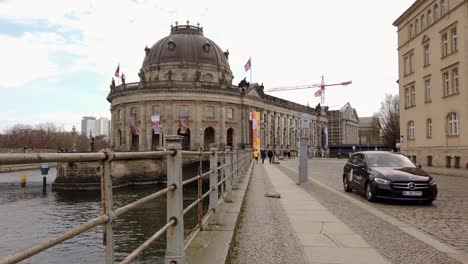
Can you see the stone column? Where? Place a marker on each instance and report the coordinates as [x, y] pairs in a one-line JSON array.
[[128, 133], [222, 130], [142, 127], [197, 128]]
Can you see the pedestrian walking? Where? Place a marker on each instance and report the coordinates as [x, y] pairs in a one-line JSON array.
[[256, 154], [263, 155], [270, 154]]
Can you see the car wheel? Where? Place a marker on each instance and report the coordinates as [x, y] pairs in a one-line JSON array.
[[346, 185], [369, 192]]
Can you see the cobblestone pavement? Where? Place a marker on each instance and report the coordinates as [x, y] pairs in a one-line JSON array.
[[265, 234], [446, 220]]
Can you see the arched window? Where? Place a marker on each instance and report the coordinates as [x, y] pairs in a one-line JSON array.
[[443, 7], [411, 129], [429, 128], [423, 21], [429, 17], [119, 138], [410, 30], [436, 12], [416, 26], [452, 120]]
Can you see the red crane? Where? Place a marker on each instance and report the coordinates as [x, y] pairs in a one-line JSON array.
[[318, 93]]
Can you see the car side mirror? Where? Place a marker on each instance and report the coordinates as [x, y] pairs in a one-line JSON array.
[[419, 166]]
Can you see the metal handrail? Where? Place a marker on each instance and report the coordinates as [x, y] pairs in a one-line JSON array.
[[31, 251], [108, 213], [146, 244], [122, 210]]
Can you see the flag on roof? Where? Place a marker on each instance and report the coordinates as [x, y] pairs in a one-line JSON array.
[[248, 65], [117, 71]]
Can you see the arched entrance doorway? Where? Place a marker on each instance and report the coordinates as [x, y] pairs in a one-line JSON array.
[[135, 142], [186, 139], [208, 137], [230, 137], [156, 141]]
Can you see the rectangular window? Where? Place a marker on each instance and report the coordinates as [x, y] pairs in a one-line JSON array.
[[453, 124], [230, 113], [426, 55], [405, 65], [429, 128], [456, 85], [413, 96], [133, 112], [210, 111], [444, 45], [156, 110], [411, 63], [446, 83], [183, 110], [407, 97], [427, 84], [119, 114], [454, 40]]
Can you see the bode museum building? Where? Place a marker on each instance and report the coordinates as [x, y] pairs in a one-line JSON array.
[[186, 88]]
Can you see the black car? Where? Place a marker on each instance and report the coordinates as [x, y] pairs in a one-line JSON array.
[[388, 175]]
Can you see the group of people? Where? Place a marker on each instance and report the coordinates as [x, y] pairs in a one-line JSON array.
[[263, 154]]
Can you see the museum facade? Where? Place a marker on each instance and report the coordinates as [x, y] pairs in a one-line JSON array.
[[186, 88]]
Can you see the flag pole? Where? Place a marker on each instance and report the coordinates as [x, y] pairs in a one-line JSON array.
[[250, 59]]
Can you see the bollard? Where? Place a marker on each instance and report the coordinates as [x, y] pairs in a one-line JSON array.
[[23, 180], [175, 234], [303, 167], [44, 182]]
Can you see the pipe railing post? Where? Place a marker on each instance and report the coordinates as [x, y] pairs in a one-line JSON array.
[[227, 174], [107, 205], [222, 175], [213, 186], [175, 209], [235, 170], [240, 173]]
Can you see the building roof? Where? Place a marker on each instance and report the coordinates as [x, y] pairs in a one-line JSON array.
[[365, 121], [186, 44], [415, 5]]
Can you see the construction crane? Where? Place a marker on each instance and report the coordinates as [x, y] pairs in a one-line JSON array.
[[318, 93]]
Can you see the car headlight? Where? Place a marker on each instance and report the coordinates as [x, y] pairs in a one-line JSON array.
[[432, 182], [381, 181]]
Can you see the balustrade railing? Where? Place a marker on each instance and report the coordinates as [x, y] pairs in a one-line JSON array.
[[227, 169]]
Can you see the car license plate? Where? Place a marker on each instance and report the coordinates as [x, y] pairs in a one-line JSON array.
[[412, 193]]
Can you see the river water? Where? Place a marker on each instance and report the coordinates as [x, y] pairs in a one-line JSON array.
[[30, 215]]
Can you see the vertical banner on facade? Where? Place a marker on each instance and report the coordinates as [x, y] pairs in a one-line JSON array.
[[156, 124], [183, 124], [133, 127], [256, 130]]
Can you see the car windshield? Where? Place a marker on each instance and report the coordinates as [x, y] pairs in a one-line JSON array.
[[388, 160]]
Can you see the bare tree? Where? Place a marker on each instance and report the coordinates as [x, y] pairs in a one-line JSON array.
[[389, 116]]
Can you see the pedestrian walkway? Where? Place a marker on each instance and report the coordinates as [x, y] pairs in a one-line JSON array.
[[319, 236]]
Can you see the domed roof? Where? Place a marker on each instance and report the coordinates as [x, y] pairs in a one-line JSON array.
[[186, 43]]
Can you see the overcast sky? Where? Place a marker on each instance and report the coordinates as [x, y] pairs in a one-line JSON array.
[[58, 57]]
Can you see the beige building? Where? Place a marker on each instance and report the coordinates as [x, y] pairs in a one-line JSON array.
[[186, 88], [343, 128], [369, 130], [433, 72]]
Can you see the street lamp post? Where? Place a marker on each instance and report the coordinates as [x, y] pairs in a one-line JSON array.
[[74, 134]]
